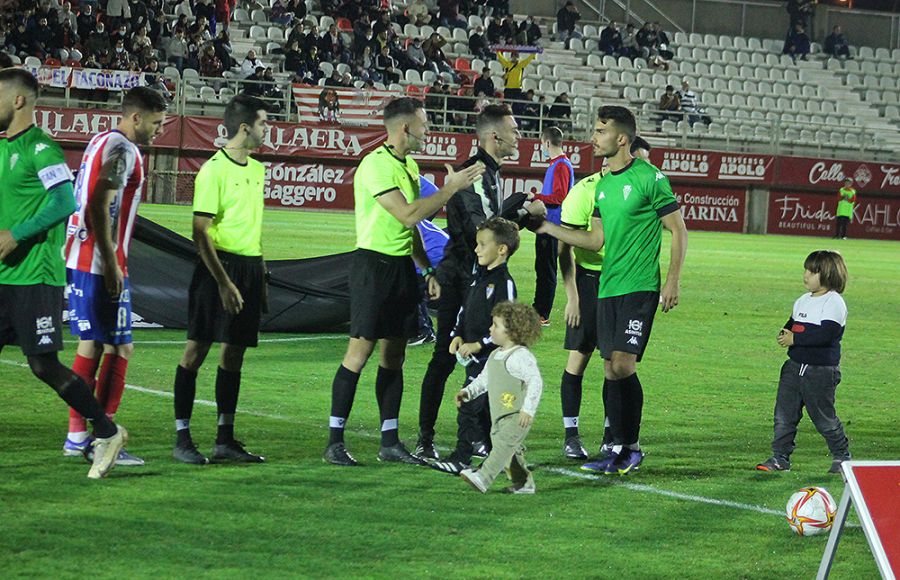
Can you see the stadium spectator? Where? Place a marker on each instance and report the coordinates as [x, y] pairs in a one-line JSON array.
[[141, 46], [98, 40], [312, 37], [611, 40], [210, 65], [508, 30], [119, 33], [670, 104], [416, 56], [630, 46], [797, 44], [531, 30], [120, 59], [17, 40], [43, 41], [297, 8], [250, 64], [383, 24], [68, 38], [461, 107], [252, 85], [498, 8], [177, 49], [183, 9], [271, 91], [436, 57], [224, 50], [222, 16], [331, 46], [280, 15], [690, 102], [514, 71], [494, 32], [66, 15], [478, 46], [836, 44], [297, 33], [158, 29], [560, 113], [566, 18], [449, 14], [386, 66], [200, 26], [436, 103], [334, 80], [484, 85], [418, 13], [87, 21], [365, 64], [312, 64], [116, 12], [293, 58], [140, 14]]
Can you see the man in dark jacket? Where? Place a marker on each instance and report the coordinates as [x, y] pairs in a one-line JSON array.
[[498, 137], [611, 40]]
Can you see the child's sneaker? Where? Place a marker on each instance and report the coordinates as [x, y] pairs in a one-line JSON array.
[[526, 488], [474, 479], [775, 463], [836, 464]]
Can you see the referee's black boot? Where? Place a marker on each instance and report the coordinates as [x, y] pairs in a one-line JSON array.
[[337, 454], [233, 451], [398, 453]]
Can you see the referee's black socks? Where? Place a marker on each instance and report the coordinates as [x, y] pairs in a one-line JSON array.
[[343, 390], [570, 394], [389, 392], [228, 387], [185, 392]]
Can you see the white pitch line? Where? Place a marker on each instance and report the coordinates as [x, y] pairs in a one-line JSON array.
[[558, 470], [262, 340]]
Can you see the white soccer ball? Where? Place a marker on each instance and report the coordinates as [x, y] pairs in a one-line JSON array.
[[811, 511]]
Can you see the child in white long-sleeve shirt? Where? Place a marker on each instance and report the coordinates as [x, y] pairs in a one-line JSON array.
[[513, 382]]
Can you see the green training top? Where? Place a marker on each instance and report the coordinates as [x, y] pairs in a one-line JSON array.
[[381, 172], [846, 201], [233, 193], [630, 203], [577, 211], [31, 164]]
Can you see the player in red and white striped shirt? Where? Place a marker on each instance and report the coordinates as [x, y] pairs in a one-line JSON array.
[[107, 195]]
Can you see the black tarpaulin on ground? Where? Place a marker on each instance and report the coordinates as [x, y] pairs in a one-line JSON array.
[[310, 295]]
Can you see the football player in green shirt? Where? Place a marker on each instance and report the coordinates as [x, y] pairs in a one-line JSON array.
[[633, 202], [37, 199]]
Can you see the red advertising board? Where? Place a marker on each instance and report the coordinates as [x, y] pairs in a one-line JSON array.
[[335, 142], [706, 166], [829, 174], [78, 126], [878, 486], [317, 185], [718, 209], [813, 214]]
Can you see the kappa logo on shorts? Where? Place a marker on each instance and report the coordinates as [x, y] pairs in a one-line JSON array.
[[45, 340], [633, 340]]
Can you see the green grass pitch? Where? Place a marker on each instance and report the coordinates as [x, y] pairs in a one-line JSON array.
[[709, 375]]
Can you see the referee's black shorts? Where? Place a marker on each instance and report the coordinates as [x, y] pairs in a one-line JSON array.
[[384, 295], [207, 319], [583, 338], [624, 323]]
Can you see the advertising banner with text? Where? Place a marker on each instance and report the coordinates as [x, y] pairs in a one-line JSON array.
[[325, 185], [811, 214], [79, 126], [705, 166], [829, 174], [718, 209]]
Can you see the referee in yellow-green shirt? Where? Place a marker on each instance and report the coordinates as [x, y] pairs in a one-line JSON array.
[[384, 291], [228, 289]]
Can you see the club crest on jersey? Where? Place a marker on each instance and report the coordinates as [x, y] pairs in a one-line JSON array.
[[489, 291], [508, 400], [13, 159], [626, 191]]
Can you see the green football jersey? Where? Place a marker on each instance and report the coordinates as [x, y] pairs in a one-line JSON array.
[[630, 203], [378, 173], [31, 164], [577, 211]]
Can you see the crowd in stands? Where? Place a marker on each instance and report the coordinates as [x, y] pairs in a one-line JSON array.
[[363, 45]]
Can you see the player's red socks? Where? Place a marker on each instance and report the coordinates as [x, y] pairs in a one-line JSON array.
[[111, 382], [86, 368]]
